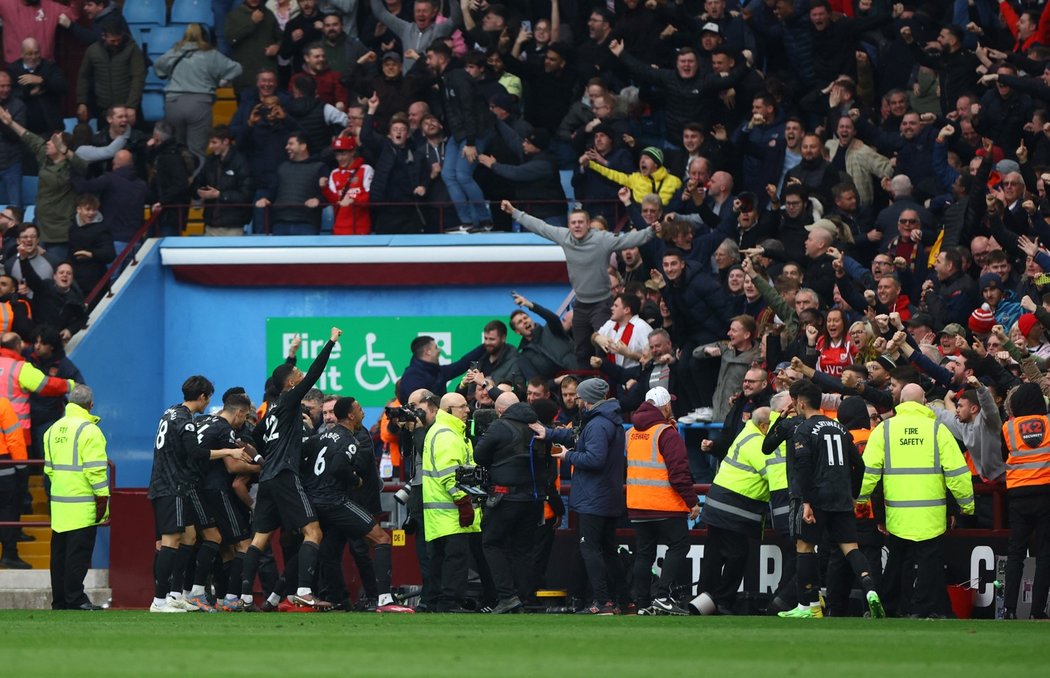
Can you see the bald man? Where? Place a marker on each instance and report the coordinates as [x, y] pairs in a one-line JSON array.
[[918, 460], [122, 194], [449, 516], [515, 506]]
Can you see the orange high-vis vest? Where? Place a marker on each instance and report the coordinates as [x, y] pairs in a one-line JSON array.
[[1028, 440], [548, 510], [860, 439], [648, 485], [7, 317]]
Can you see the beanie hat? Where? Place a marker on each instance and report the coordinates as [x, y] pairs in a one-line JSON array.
[[1025, 323], [655, 153], [1026, 400], [592, 390], [981, 320], [853, 413], [990, 280]]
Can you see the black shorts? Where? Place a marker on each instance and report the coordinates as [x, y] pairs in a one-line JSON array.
[[282, 502], [350, 520], [840, 526], [197, 513], [232, 517], [169, 515]]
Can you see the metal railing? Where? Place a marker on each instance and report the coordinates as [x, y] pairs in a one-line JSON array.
[[111, 469]]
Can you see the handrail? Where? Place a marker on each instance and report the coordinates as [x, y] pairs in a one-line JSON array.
[[110, 467], [104, 283]]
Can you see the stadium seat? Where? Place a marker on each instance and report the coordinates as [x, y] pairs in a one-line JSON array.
[[29, 186], [29, 214], [153, 105], [161, 39], [192, 12], [70, 124], [153, 81], [153, 12]]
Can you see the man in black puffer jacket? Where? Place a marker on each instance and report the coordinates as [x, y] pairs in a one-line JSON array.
[[90, 244]]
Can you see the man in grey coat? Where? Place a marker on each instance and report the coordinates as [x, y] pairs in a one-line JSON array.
[[587, 254]]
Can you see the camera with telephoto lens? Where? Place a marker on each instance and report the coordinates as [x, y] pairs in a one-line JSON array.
[[402, 496], [474, 480], [405, 414]]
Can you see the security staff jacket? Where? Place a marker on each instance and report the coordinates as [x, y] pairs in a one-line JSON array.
[[76, 463], [919, 462], [445, 447]]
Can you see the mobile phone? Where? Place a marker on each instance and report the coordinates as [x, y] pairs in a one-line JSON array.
[[526, 26], [474, 366]]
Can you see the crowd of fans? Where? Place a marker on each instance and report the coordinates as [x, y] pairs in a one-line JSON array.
[[853, 192]]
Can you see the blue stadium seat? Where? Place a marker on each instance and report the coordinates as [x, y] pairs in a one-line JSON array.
[[29, 215], [152, 106], [71, 123], [153, 81], [154, 12], [161, 39], [192, 12], [29, 186]]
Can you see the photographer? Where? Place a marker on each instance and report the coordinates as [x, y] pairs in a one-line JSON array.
[[517, 474], [414, 421], [448, 512]]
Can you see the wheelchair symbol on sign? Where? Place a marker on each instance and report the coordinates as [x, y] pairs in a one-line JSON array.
[[374, 360]]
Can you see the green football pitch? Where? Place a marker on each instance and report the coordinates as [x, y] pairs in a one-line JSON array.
[[127, 643]]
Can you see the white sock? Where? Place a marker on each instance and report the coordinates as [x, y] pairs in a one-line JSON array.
[[160, 602], [273, 599], [232, 596], [247, 599], [385, 599], [186, 594], [303, 591], [197, 590]]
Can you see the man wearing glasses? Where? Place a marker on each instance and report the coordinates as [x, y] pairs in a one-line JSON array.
[[449, 515], [29, 253]]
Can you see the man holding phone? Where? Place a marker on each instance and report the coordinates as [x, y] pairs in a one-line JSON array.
[[225, 184]]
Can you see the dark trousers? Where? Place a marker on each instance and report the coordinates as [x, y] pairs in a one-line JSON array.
[[1029, 533], [449, 557], [674, 533], [586, 320], [598, 549], [913, 580], [70, 560], [10, 510], [722, 567], [508, 534], [789, 565], [840, 578], [541, 550], [428, 596]]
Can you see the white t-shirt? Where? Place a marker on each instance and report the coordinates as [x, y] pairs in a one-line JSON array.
[[636, 339]]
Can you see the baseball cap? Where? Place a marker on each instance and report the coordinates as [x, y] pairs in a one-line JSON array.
[[953, 330], [711, 27], [659, 396]]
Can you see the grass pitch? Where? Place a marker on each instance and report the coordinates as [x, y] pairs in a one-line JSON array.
[[133, 643]]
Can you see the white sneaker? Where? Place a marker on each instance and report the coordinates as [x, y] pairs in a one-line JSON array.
[[183, 604], [687, 419], [705, 414], [167, 607]]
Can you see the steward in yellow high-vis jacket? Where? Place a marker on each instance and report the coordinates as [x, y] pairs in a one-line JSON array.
[[75, 461], [919, 462]]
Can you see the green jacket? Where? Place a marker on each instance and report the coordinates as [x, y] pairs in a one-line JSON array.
[[919, 461], [445, 447], [250, 40], [56, 199], [75, 461], [107, 79]]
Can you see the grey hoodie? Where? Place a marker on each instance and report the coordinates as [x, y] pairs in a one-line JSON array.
[[197, 71], [982, 436], [588, 258]]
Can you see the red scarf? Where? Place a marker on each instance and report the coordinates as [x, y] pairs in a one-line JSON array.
[[626, 339]]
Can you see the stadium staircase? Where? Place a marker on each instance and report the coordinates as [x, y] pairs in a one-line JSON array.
[[31, 589]]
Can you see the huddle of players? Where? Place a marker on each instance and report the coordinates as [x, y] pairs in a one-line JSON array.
[[200, 497]]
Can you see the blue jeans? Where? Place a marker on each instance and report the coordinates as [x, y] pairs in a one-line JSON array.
[[300, 228], [11, 185], [464, 191], [220, 8]]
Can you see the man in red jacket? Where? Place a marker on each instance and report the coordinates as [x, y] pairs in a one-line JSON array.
[[660, 496]]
